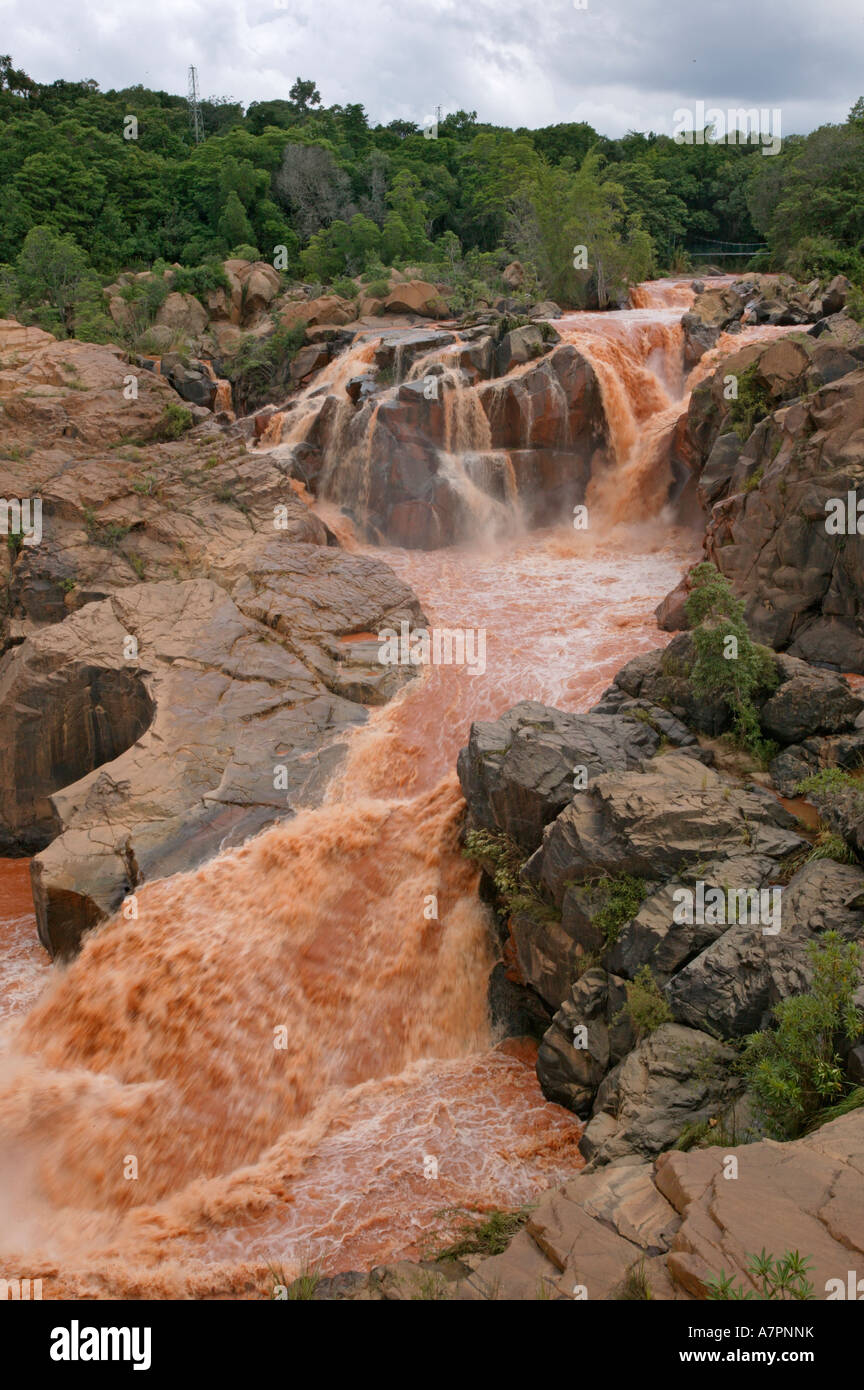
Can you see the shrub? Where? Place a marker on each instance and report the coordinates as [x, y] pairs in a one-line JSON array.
[[646, 1007], [176, 420], [829, 845], [855, 304], [199, 280], [259, 369], [486, 1235], [793, 1070], [345, 288], [752, 404], [716, 615], [827, 780], [377, 289], [502, 859], [781, 1280], [245, 253], [624, 895]]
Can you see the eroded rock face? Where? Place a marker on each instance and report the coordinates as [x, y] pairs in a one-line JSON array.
[[774, 475], [455, 450], [164, 722], [185, 646], [658, 831], [517, 773], [682, 1224]]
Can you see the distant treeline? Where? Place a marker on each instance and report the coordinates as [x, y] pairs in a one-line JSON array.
[[346, 197]]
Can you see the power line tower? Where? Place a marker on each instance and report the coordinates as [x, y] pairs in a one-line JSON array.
[[195, 107]]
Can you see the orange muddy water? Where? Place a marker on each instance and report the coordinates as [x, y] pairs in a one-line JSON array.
[[286, 1060]]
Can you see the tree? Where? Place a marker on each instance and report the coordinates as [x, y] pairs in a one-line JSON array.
[[234, 225], [793, 1070], [50, 269], [304, 94], [734, 674], [15, 80], [312, 187]]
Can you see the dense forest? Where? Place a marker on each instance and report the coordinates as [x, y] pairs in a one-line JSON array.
[[100, 182]]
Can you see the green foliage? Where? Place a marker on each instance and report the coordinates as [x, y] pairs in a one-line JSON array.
[[259, 368], [779, 1280], [717, 615], [345, 288], [200, 280], [829, 845], [175, 421], [288, 170], [483, 1235], [828, 779], [751, 405], [51, 269], [793, 1069], [299, 1290], [377, 289], [622, 895], [636, 1286], [646, 1007], [855, 303]]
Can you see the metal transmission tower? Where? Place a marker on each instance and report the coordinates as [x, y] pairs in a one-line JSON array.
[[195, 107]]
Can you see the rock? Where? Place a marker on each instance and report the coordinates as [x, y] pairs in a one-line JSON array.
[[518, 772], [651, 823], [546, 309], [662, 677], [731, 987], [654, 938], [183, 314], [681, 1223], [329, 309], [835, 295], [15, 337], [571, 1065], [674, 1078], [389, 464], [58, 399], [801, 582], [513, 275], [522, 345], [160, 759], [808, 701], [260, 286], [416, 297], [307, 361]]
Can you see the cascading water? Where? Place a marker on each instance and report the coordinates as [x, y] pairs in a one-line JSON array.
[[286, 1036]]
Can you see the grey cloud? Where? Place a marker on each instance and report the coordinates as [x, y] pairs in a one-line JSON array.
[[617, 64]]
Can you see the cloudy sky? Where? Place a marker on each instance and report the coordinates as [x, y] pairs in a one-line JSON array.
[[619, 64]]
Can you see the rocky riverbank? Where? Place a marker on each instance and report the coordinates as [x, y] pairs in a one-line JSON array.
[[188, 646]]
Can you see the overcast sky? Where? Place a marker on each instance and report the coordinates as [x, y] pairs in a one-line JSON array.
[[619, 64]]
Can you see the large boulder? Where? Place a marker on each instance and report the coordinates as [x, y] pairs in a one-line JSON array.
[[148, 725], [518, 772], [675, 1077], [730, 988], [651, 823], [183, 314], [416, 297]]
